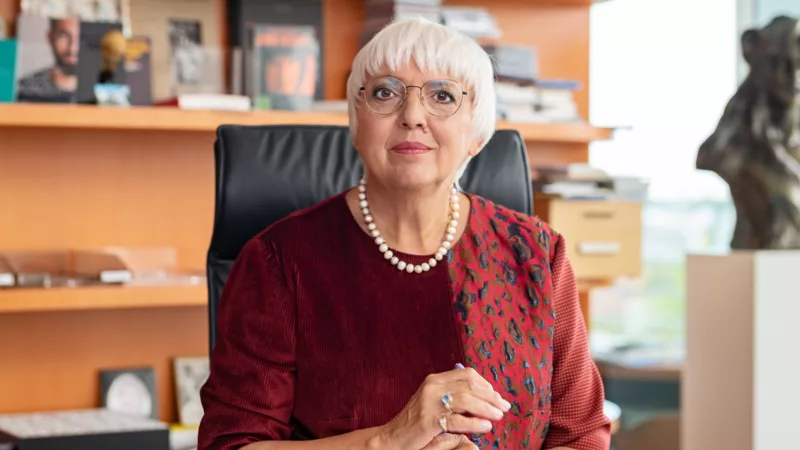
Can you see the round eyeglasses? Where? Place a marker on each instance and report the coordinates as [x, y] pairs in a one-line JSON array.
[[386, 95]]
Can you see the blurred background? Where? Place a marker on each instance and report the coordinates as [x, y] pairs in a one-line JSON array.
[[108, 110]]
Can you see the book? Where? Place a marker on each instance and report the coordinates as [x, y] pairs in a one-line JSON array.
[[8, 70], [285, 67], [48, 58]]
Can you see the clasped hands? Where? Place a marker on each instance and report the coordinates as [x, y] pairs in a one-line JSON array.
[[426, 423]]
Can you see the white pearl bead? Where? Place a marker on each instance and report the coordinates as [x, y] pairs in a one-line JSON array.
[[384, 248], [363, 181], [456, 214]]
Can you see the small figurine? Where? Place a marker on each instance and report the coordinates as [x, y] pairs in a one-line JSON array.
[[112, 48]]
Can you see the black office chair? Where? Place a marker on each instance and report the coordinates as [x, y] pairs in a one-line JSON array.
[[264, 173]]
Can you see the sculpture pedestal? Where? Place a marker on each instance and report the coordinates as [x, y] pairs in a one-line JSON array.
[[740, 387]]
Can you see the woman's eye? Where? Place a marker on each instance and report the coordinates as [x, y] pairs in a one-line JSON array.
[[443, 97], [383, 94]]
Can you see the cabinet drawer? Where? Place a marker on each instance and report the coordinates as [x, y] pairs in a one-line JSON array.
[[604, 239]]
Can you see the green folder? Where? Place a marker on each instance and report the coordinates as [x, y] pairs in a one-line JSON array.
[[8, 70]]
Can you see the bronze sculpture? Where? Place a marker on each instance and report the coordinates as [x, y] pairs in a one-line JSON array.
[[756, 145]]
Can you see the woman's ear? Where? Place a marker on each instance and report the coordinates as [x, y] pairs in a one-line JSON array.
[[476, 148]]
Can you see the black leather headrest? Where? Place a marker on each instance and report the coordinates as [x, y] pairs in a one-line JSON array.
[[264, 173]]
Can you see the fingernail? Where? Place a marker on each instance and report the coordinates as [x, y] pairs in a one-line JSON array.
[[506, 405], [459, 366], [486, 425]]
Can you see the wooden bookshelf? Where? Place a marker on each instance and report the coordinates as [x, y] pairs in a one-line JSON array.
[[101, 297], [89, 117], [86, 177]]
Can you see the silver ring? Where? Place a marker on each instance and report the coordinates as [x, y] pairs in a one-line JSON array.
[[447, 398]]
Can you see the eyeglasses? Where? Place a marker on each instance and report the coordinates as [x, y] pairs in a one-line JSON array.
[[386, 95]]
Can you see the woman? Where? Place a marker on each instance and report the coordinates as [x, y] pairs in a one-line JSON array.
[[404, 314]]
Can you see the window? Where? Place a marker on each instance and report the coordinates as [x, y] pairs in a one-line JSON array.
[[665, 69]]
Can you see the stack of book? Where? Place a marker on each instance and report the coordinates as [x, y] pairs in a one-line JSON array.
[[584, 182], [477, 23], [523, 96], [380, 13]]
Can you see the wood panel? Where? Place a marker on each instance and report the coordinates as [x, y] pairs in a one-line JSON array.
[[8, 12], [87, 188], [343, 21], [551, 135], [547, 153], [51, 360], [101, 297]]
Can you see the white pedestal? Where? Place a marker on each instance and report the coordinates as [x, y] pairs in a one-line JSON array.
[[741, 382]]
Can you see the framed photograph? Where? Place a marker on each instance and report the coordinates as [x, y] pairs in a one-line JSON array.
[[130, 390], [186, 52], [190, 375]]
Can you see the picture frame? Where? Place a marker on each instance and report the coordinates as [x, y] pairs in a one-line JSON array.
[[130, 390], [191, 373]]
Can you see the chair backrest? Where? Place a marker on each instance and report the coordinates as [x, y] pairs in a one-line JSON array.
[[264, 173]]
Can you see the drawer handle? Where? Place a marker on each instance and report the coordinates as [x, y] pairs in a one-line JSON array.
[[598, 214], [599, 248]]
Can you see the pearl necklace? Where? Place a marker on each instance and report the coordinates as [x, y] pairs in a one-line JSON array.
[[383, 247]]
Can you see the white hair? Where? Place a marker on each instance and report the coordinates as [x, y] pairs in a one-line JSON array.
[[434, 48]]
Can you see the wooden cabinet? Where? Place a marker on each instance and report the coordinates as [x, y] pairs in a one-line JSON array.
[[604, 238]]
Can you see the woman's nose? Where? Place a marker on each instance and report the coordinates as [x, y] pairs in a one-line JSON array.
[[413, 112]]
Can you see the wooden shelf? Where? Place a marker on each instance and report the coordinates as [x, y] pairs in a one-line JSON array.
[[15, 300], [87, 117]]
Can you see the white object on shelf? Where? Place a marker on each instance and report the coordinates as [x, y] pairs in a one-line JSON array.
[[739, 389], [219, 102]]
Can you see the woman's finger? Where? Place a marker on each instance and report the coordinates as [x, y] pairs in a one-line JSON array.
[[457, 423], [468, 376], [487, 405], [450, 441]]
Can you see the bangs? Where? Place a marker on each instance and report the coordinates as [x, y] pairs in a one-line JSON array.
[[434, 49]]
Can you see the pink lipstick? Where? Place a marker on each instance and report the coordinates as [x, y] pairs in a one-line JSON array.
[[410, 148]]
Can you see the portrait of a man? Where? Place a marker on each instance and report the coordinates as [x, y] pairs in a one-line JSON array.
[[58, 81]]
